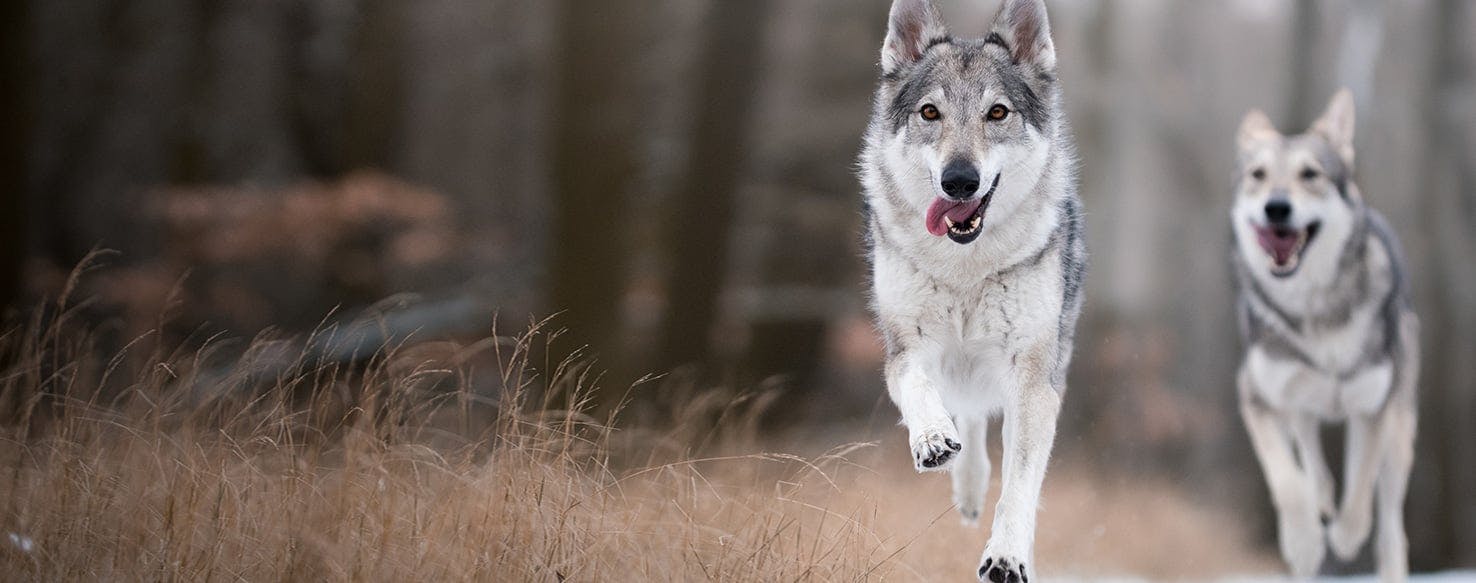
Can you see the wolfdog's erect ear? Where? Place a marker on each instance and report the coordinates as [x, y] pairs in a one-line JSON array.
[[1336, 124], [914, 25], [1254, 128], [1025, 30]]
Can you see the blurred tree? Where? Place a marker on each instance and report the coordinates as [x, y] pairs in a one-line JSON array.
[[1358, 51], [1448, 395], [1304, 99], [802, 270], [377, 101], [597, 131], [189, 148], [14, 84], [346, 80], [698, 223]]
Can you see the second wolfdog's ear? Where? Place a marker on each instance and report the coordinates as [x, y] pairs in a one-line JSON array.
[[1336, 124], [1024, 29], [914, 25], [1254, 128]]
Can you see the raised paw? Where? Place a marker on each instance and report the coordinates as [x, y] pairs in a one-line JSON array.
[[1325, 503], [1347, 533], [1003, 570], [1301, 539], [968, 514], [933, 449]]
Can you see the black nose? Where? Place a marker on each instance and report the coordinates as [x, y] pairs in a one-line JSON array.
[[1278, 210], [960, 180]]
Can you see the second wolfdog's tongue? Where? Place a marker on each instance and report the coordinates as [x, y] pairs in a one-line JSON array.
[[959, 212], [1280, 244]]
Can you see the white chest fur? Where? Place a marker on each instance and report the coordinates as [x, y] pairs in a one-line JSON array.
[[968, 335], [1294, 386], [1340, 378], [1338, 385]]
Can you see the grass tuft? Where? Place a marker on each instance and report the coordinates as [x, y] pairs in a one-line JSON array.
[[430, 461]]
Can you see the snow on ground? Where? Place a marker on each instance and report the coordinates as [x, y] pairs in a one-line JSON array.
[[1442, 577]]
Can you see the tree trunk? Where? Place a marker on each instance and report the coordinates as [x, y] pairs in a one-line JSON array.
[[597, 136], [374, 105], [1302, 102], [700, 218], [14, 84], [1448, 395]]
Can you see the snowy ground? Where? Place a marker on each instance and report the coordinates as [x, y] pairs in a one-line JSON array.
[[1444, 577]]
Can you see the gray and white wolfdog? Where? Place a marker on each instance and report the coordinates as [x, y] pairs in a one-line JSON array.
[[977, 254], [1329, 335]]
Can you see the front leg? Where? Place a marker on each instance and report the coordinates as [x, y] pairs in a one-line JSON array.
[[1305, 432], [930, 430], [1029, 432], [1292, 491]]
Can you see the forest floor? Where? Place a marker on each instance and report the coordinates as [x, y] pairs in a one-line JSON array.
[[175, 467], [164, 507]]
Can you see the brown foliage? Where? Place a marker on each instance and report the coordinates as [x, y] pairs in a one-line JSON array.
[[152, 463]]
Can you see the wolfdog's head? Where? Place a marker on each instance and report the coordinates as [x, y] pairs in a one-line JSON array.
[[964, 126], [1295, 202]]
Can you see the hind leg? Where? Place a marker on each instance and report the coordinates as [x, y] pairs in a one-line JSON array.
[[1393, 480], [1400, 416], [971, 471]]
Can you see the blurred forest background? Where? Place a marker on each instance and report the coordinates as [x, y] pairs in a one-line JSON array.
[[676, 178]]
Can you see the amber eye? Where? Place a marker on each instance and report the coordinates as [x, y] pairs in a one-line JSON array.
[[930, 113], [1258, 174], [998, 112], [1310, 173]]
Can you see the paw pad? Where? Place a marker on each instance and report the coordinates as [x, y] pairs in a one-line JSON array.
[[1001, 571], [935, 451]]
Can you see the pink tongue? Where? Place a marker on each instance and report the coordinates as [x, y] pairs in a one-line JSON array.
[[1280, 246], [958, 212]]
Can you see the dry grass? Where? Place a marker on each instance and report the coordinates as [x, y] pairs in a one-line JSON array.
[[181, 464]]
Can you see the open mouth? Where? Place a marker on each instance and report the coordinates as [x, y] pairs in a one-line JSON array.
[[960, 220], [1285, 245]]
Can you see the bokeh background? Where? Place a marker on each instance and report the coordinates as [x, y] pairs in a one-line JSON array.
[[676, 180]]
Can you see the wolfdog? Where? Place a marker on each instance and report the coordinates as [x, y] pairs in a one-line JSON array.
[[1329, 336], [977, 254]]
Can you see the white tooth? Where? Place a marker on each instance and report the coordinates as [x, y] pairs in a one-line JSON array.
[[974, 224], [948, 221]]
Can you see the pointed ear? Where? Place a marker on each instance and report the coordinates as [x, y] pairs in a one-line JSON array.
[[1254, 128], [1336, 124], [1024, 29], [914, 25]]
